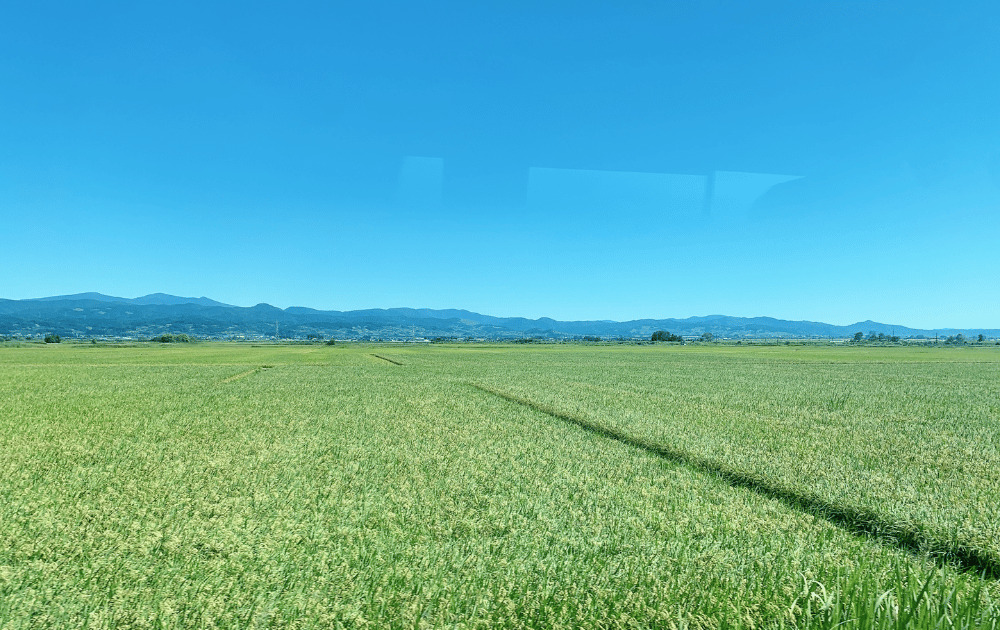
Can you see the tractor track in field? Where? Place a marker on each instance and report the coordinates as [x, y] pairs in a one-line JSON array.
[[242, 375], [857, 521], [393, 361]]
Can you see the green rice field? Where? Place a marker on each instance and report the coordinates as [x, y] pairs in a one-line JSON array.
[[482, 486]]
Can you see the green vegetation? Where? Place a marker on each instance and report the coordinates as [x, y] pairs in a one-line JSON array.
[[484, 486], [663, 335], [906, 437], [874, 337], [51, 338], [172, 338]]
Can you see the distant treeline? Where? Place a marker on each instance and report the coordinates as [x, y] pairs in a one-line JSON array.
[[173, 338]]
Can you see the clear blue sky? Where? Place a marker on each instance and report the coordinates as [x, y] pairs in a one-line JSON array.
[[833, 161]]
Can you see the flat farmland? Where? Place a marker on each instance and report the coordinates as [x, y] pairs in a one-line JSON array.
[[225, 485]]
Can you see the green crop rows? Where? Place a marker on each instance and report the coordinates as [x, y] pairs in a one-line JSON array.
[[224, 485]]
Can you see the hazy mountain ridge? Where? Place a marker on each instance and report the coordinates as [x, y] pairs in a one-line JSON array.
[[97, 315], [151, 299]]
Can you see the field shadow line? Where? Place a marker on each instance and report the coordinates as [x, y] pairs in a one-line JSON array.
[[855, 520], [393, 361], [242, 375]]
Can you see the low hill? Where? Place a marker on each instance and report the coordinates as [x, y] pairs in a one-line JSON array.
[[97, 315]]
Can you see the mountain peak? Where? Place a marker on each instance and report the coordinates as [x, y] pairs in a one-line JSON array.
[[91, 295], [165, 299]]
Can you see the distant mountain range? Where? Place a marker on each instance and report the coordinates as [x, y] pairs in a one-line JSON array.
[[88, 315], [159, 299]]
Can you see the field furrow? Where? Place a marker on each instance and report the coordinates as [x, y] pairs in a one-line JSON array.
[[340, 491]]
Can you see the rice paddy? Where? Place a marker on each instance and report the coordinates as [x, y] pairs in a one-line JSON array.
[[223, 485]]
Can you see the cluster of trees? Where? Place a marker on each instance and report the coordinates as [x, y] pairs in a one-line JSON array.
[[172, 338], [874, 337], [51, 338], [960, 339], [663, 335], [317, 337]]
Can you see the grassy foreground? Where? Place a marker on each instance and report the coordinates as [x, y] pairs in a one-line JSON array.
[[905, 439], [234, 486]]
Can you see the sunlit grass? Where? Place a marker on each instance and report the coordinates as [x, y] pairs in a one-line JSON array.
[[911, 436], [145, 487]]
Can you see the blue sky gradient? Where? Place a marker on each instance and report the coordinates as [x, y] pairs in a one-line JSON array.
[[831, 161]]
